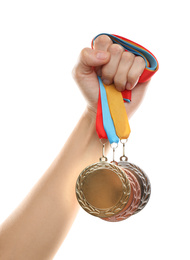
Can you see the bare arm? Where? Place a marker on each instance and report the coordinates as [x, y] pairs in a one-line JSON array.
[[39, 225], [36, 229]]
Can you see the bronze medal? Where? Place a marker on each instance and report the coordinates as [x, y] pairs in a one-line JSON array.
[[134, 203], [143, 181]]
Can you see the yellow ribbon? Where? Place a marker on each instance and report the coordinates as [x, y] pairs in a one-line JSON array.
[[118, 111]]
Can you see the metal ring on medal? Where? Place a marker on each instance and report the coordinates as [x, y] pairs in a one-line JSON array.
[[103, 189], [143, 181]]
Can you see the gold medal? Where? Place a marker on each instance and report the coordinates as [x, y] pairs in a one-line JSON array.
[[103, 189]]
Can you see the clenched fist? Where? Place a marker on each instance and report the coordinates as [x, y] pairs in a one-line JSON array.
[[114, 65]]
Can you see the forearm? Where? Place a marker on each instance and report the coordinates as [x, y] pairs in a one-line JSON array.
[[39, 225]]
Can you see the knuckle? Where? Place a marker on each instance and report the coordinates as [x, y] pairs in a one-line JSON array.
[[116, 49], [140, 61], [128, 56], [103, 40]]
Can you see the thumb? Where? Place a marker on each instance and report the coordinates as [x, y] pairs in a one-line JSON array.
[[90, 58]]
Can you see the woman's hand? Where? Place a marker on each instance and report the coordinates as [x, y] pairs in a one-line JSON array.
[[113, 65]]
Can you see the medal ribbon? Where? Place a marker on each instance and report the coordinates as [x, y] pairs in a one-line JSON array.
[[118, 111], [112, 98], [106, 115]]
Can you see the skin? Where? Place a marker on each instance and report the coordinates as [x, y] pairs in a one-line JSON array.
[[114, 66], [39, 225]]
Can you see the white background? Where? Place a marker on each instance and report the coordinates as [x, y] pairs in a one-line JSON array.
[[40, 104]]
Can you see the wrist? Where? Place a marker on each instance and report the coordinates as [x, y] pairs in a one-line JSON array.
[[91, 112]]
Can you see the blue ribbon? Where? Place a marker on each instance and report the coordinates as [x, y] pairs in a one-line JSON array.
[[107, 119]]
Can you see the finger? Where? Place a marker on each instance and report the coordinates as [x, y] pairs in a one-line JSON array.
[[109, 69], [135, 72], [120, 79], [88, 59], [101, 43], [138, 94]]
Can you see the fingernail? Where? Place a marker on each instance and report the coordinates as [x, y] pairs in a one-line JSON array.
[[128, 86], [106, 81], [101, 55]]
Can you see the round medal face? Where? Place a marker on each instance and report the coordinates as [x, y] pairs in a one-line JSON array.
[[103, 189], [129, 208], [143, 181]]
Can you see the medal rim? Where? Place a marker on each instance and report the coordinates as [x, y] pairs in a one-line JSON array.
[[108, 212], [138, 172], [129, 211]]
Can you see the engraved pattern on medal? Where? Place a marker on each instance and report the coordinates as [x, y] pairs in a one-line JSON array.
[[135, 203], [96, 211], [145, 182]]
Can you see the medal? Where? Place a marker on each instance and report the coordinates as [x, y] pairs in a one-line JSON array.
[[132, 205], [103, 189], [115, 191], [140, 175], [143, 182], [131, 208]]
